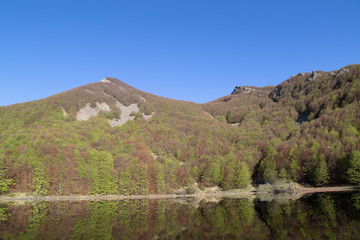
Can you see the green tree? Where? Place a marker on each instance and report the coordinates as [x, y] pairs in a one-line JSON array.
[[195, 172], [215, 174], [283, 174], [3, 214], [142, 178], [126, 183], [160, 180], [41, 181], [100, 166], [4, 182], [230, 118], [353, 173], [268, 164], [270, 175], [243, 176], [321, 174], [294, 164]]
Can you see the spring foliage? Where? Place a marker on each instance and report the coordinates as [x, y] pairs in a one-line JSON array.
[[306, 129], [354, 168]]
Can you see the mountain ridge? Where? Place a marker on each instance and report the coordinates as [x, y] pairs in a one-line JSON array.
[[110, 138]]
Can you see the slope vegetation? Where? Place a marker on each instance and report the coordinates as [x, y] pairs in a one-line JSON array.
[[109, 138]]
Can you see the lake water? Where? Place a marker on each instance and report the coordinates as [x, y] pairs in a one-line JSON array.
[[319, 216]]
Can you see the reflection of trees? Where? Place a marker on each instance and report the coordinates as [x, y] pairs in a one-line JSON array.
[[325, 213], [230, 219], [37, 218], [170, 219], [356, 201], [99, 223], [315, 217], [3, 215], [133, 218]]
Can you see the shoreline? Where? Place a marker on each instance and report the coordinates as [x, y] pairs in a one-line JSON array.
[[301, 191]]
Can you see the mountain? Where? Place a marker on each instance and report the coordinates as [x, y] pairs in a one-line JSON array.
[[109, 138]]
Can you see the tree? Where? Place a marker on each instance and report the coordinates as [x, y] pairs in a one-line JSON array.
[[215, 174], [353, 173], [195, 172], [294, 163], [4, 182], [283, 174], [268, 164], [321, 175], [142, 177], [270, 175], [100, 166], [41, 180], [243, 176], [160, 180]]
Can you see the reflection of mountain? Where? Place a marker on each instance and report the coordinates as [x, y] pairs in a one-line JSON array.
[[319, 216], [109, 137]]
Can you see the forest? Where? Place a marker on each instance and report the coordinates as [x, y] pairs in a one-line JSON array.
[[304, 130]]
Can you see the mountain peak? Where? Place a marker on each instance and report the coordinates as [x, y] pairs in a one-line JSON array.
[[105, 80]]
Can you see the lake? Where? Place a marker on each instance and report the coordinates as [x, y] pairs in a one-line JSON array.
[[317, 216]]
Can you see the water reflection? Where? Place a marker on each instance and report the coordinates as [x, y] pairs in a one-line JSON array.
[[322, 216]]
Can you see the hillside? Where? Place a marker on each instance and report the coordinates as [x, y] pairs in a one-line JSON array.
[[110, 138]]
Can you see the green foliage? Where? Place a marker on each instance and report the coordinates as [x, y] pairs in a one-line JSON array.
[[5, 183], [356, 201], [148, 111], [243, 176], [190, 142], [283, 174], [142, 179], [195, 173], [97, 224], [268, 165], [41, 181], [294, 168], [300, 107], [135, 180], [353, 173], [215, 174], [3, 213], [270, 175], [126, 183], [99, 167], [160, 180], [230, 118], [37, 219], [321, 174]]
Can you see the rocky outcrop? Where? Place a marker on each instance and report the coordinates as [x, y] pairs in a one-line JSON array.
[[240, 89], [87, 112], [127, 114]]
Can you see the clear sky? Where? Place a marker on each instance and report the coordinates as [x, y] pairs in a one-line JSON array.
[[194, 50]]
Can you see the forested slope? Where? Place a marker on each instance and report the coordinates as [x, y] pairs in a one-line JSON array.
[[109, 137], [306, 128]]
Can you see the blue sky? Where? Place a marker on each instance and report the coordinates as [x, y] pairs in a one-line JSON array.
[[189, 50]]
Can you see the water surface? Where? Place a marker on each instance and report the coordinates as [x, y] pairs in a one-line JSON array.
[[318, 216]]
